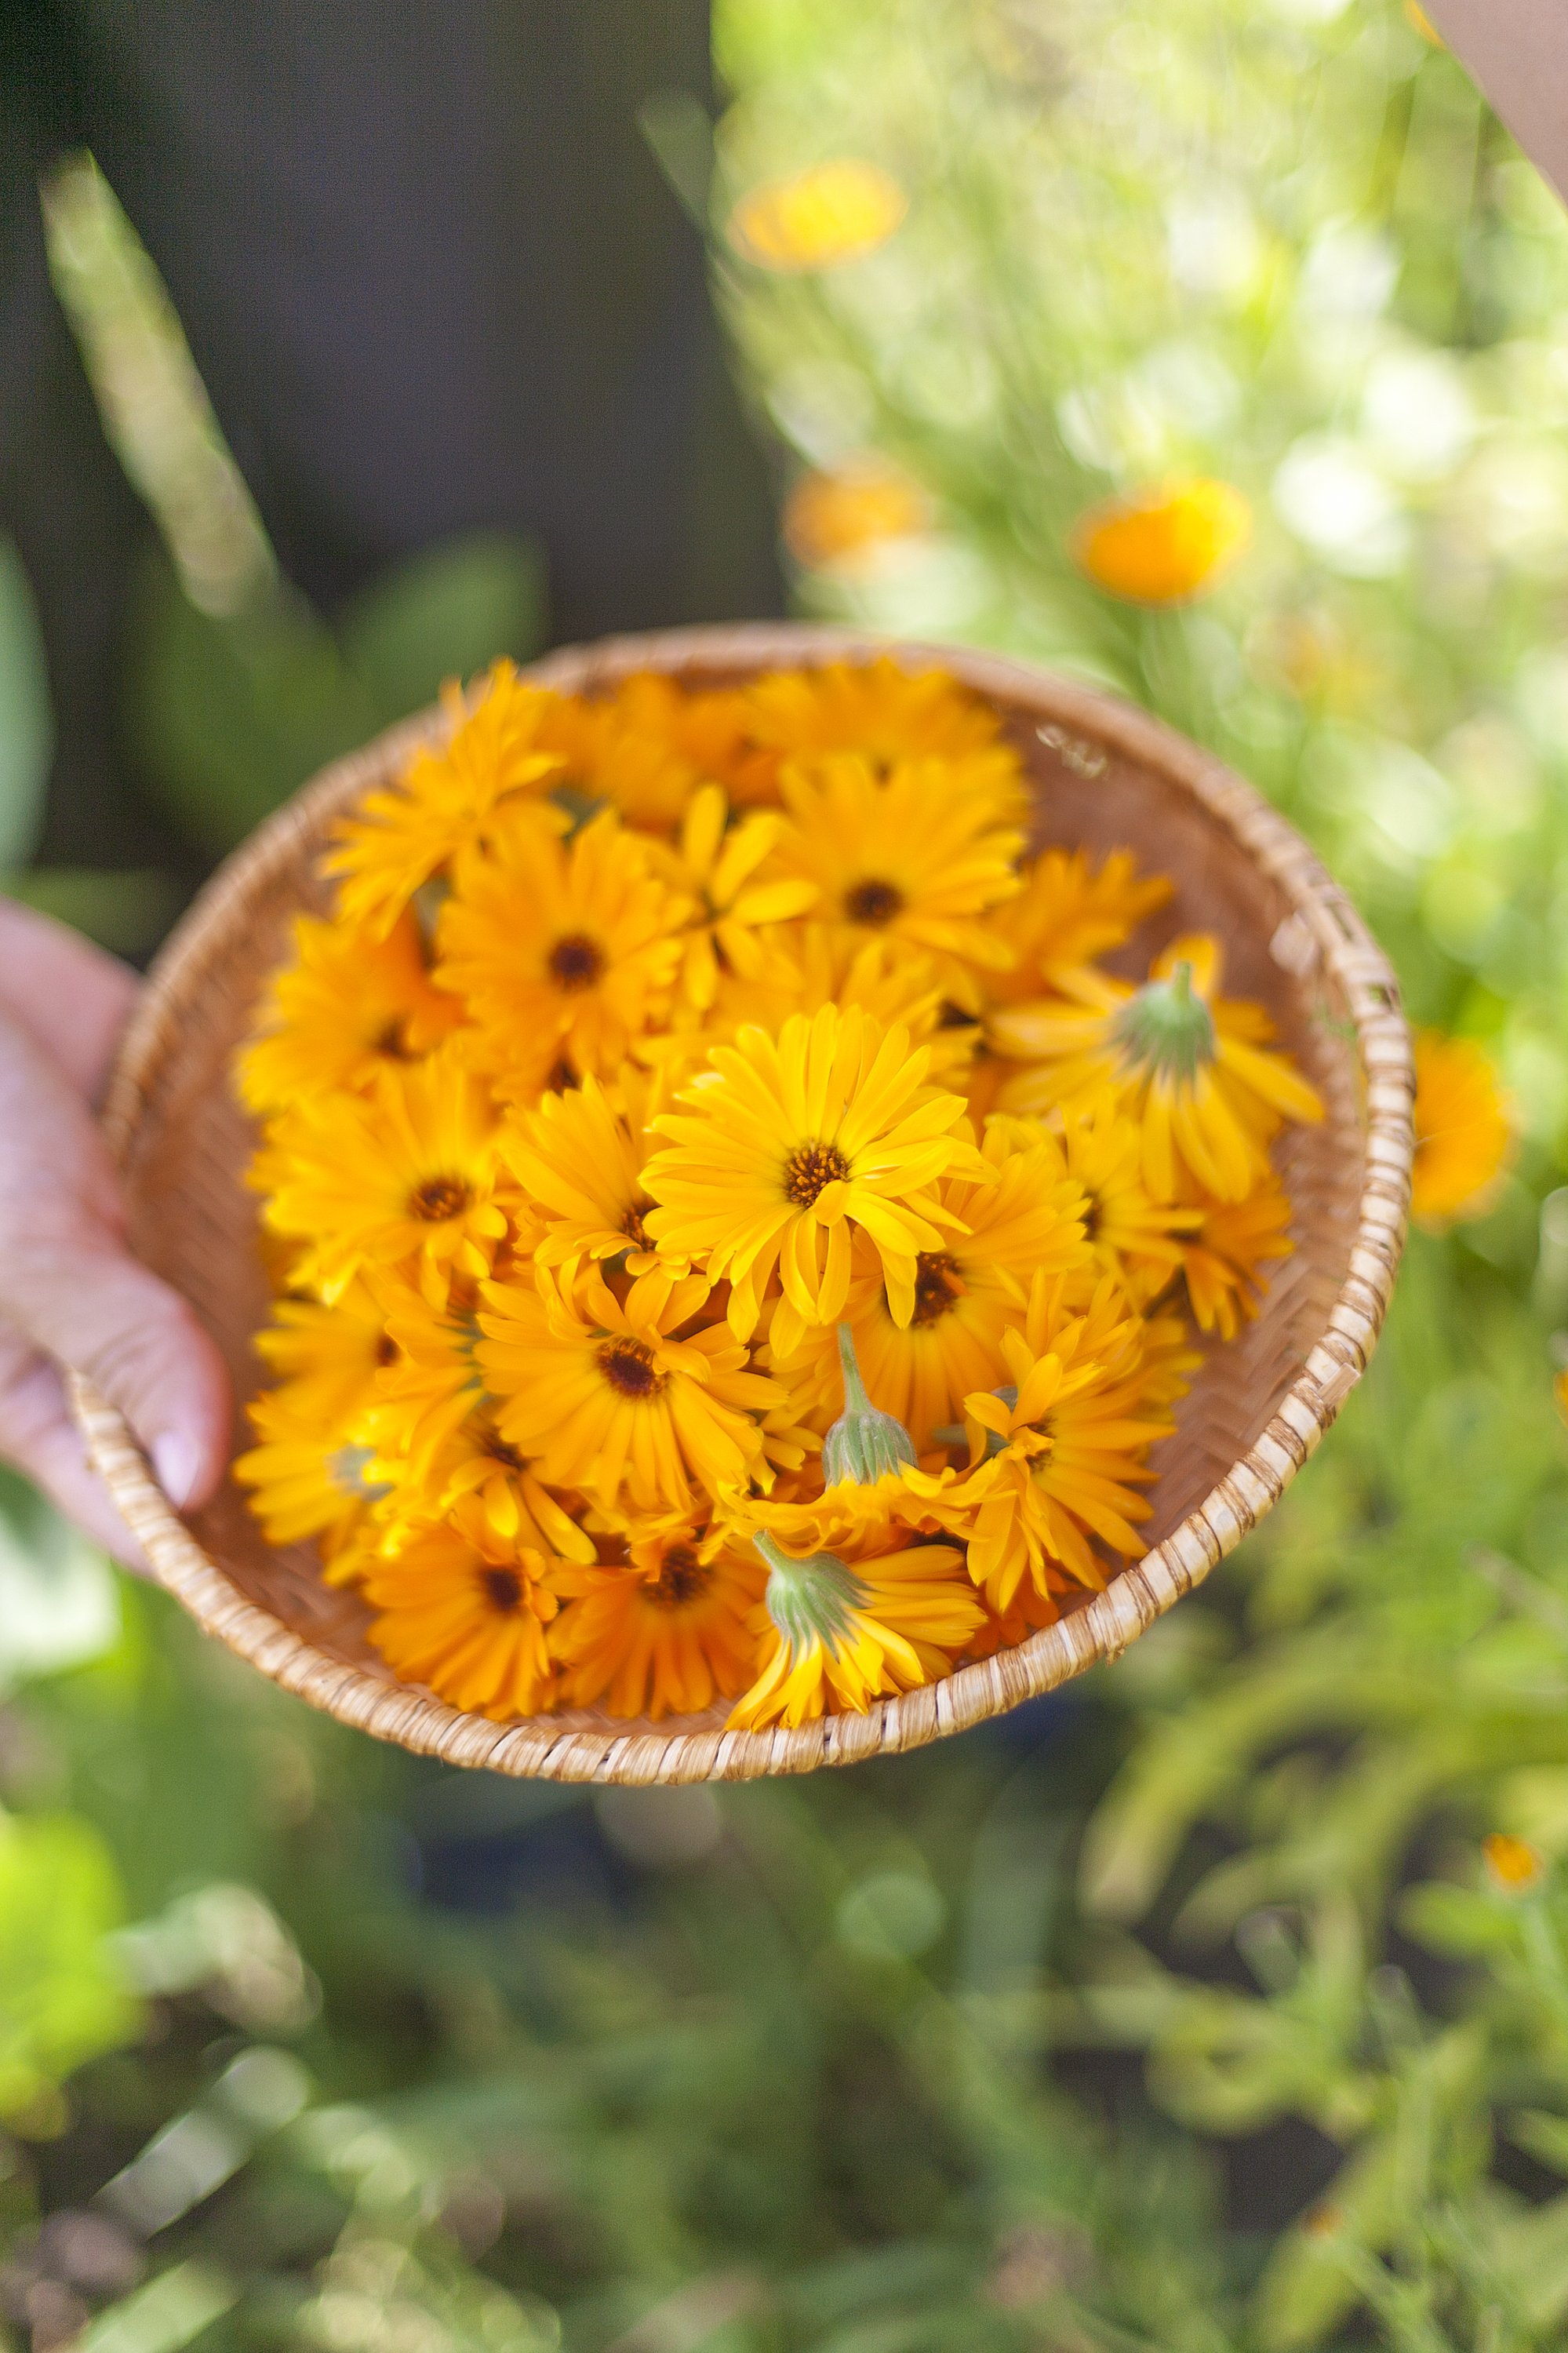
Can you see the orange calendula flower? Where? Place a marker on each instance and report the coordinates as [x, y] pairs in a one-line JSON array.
[[789, 1146], [1164, 545], [837, 1632], [347, 1005], [331, 1358], [908, 856], [466, 1617], [717, 869], [606, 1394], [1222, 1258], [312, 1480], [885, 713], [1462, 1132], [1026, 1220], [1197, 1070], [816, 220], [1069, 913], [1512, 1863], [843, 520], [1058, 1453], [579, 1161], [398, 839], [663, 1632], [406, 1173], [562, 951]]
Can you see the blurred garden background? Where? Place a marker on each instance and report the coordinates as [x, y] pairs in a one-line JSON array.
[[1220, 2001]]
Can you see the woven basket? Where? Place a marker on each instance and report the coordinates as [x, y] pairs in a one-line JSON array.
[[1106, 775]]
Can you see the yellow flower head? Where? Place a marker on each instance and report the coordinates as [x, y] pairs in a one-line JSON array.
[[1059, 1452], [1512, 1863], [347, 1005], [604, 1394], [1195, 1070], [789, 1147], [313, 1479], [817, 219], [332, 1358], [1165, 544], [886, 714], [910, 856], [400, 839], [838, 1632], [562, 951], [1069, 913], [843, 520], [1462, 1133], [716, 869], [465, 1616], [967, 1295], [1139, 1241], [664, 1631], [407, 1173], [579, 1161], [814, 963], [1221, 1259]]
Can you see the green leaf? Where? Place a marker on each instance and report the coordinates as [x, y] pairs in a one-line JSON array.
[[63, 2000], [445, 614]]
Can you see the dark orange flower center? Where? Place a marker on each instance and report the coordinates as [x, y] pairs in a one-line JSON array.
[[503, 1590], [873, 901], [388, 1351], [939, 1286], [681, 1578], [495, 1446], [810, 1170], [954, 1016], [439, 1198], [575, 962], [628, 1366], [632, 1224], [392, 1041]]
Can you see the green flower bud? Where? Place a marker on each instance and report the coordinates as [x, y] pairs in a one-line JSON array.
[[814, 1599], [1166, 1027], [863, 1444]]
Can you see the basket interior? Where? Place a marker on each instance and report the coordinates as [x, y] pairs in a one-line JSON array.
[[186, 1146]]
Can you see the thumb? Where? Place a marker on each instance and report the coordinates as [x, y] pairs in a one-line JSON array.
[[108, 1317], [69, 1283]]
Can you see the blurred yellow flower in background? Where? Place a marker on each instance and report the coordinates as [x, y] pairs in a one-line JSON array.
[[1512, 1863], [843, 519], [828, 214], [1462, 1132], [1162, 545]]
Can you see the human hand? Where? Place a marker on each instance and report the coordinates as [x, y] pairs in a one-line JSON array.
[[70, 1293]]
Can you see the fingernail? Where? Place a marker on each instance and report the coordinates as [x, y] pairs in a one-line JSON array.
[[175, 1463]]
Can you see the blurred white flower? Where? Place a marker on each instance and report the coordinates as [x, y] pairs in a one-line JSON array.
[[1327, 493], [1348, 272], [1214, 246]]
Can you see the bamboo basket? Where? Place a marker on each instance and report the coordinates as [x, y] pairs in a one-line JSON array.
[[1105, 775]]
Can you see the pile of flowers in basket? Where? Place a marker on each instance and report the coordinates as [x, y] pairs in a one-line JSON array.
[[733, 1239]]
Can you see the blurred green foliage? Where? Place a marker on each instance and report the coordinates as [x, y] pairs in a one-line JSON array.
[[1184, 2012]]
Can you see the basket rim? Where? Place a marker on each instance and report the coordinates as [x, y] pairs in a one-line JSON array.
[[1137, 1594]]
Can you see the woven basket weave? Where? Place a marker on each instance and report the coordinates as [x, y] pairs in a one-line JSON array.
[[1106, 775]]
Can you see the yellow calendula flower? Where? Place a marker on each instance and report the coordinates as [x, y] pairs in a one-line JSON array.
[[664, 1631], [688, 739], [910, 856], [812, 964], [1512, 1863], [1166, 545], [347, 1005], [816, 220], [886, 714], [839, 1633], [1462, 1133], [1028, 1219], [400, 839], [844, 519], [790, 1146], [312, 1480], [717, 869], [1069, 913], [1197, 1070], [578, 1160], [562, 952], [1129, 1235], [1058, 1453], [606, 1394], [331, 1358], [465, 1616], [408, 1172], [1221, 1259]]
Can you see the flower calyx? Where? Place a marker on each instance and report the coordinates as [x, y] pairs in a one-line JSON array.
[[864, 1444], [954, 1433], [810, 1600], [1165, 1029]]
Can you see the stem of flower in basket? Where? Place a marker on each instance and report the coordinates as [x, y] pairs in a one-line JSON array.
[[864, 1445]]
